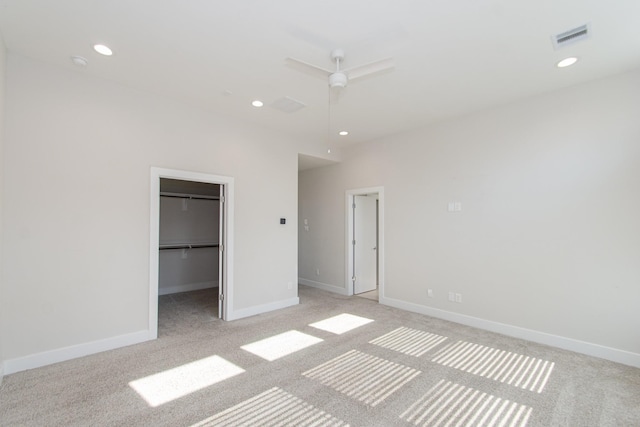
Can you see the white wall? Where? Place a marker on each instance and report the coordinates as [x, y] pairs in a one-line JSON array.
[[321, 247], [2, 96], [548, 239], [78, 153]]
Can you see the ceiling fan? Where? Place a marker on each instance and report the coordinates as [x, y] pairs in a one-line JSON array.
[[339, 77]]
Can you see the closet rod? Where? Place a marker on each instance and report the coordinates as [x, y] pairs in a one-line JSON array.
[[188, 246], [188, 196]]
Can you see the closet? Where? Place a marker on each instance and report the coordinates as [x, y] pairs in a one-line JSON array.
[[189, 244]]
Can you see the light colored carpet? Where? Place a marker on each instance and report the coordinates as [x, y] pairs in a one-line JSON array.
[[332, 360]]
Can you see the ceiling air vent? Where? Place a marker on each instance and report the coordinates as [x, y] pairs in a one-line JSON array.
[[582, 32], [288, 105]]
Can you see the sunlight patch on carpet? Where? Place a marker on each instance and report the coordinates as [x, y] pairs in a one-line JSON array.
[[281, 345], [411, 342], [507, 367], [366, 378], [450, 404], [174, 383], [341, 323], [274, 407]]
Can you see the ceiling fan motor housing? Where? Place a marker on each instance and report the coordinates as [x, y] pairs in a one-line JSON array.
[[338, 79], [337, 55]]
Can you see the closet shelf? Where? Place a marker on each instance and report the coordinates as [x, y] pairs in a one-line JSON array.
[[164, 246]]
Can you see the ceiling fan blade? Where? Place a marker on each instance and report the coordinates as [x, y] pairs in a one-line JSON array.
[[307, 68], [370, 68]]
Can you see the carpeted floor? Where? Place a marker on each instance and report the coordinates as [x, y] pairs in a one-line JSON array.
[[186, 310], [332, 360]]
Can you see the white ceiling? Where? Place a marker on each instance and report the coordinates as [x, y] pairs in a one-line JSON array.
[[451, 56]]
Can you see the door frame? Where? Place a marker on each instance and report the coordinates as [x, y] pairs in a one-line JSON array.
[[226, 283], [350, 197]]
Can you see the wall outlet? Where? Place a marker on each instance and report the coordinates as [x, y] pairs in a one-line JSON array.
[[317, 271], [458, 297], [430, 293], [454, 206], [452, 297], [289, 285]]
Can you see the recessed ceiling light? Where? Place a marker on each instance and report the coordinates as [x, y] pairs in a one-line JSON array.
[[257, 103], [567, 62], [79, 61], [102, 49], [343, 133]]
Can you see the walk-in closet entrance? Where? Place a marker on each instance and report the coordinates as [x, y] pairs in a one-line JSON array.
[[189, 261], [189, 252]]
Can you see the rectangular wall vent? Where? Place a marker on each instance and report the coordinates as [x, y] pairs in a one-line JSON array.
[[566, 38]]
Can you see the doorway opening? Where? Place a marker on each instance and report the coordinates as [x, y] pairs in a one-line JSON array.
[[365, 242], [189, 257], [191, 240]]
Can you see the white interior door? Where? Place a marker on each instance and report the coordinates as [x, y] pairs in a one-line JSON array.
[[364, 246]]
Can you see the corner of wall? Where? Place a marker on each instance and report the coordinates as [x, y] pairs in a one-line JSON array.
[[2, 114]]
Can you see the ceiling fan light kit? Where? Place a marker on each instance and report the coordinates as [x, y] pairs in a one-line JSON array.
[[338, 80]]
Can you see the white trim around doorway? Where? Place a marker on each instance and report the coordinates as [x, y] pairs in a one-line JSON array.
[[154, 237]]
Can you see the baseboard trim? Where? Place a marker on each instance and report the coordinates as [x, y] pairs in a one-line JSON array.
[[323, 286], [259, 309], [590, 349], [187, 288], [72, 352]]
